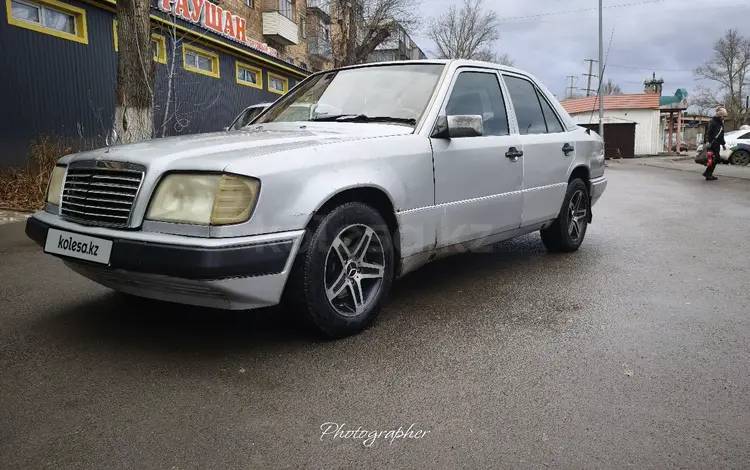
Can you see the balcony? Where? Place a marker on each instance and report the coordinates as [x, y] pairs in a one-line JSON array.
[[320, 48], [278, 22], [320, 7]]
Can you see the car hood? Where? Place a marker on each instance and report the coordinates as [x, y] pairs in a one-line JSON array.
[[214, 151]]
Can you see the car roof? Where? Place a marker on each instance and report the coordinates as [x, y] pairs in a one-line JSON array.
[[457, 62]]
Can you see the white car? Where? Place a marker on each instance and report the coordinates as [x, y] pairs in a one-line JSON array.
[[738, 147], [247, 115]]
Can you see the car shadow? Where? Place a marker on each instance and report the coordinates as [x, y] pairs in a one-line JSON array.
[[114, 318]]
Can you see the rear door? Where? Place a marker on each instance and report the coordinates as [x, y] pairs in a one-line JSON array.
[[477, 187], [548, 150]]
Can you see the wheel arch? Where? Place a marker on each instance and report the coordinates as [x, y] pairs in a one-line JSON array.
[[583, 173], [372, 195]]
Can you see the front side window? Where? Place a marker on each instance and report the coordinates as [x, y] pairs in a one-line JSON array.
[[525, 101], [479, 93], [394, 94]]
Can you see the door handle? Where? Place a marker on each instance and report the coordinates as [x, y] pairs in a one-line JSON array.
[[513, 154], [567, 148]]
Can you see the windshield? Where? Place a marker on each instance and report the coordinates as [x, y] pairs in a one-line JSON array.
[[389, 93]]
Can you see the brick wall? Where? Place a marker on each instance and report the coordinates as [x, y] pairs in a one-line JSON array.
[[298, 53], [254, 17]]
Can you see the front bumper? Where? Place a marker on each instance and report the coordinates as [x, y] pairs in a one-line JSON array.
[[232, 273]]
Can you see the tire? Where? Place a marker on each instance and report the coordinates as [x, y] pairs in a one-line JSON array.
[[315, 272], [740, 157], [557, 238]]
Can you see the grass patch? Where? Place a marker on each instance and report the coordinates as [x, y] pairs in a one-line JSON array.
[[24, 189]]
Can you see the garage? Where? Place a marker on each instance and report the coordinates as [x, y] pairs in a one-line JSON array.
[[619, 138]]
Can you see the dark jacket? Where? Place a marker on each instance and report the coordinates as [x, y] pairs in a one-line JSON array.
[[715, 134]]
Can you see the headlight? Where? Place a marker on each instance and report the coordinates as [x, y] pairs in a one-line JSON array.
[[55, 185], [204, 199]]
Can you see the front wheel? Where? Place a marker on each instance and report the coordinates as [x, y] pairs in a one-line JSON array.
[[346, 271], [566, 233], [740, 157]]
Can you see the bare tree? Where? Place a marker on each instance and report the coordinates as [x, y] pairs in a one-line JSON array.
[[725, 76], [611, 88], [467, 33], [360, 26], [177, 113], [135, 72]]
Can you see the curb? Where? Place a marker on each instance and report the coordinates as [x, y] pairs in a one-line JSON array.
[[667, 166]]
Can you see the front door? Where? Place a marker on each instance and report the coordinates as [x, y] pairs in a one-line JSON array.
[[546, 158], [477, 187]]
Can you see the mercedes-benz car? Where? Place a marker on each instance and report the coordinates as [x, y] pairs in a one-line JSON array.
[[392, 166]]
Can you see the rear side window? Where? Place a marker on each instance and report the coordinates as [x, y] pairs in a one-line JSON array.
[[480, 93], [553, 123], [529, 112]]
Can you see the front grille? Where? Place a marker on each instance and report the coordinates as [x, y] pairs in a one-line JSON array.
[[101, 193]]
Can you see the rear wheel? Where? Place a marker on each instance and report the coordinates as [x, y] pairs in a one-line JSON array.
[[345, 273], [567, 232], [740, 157]]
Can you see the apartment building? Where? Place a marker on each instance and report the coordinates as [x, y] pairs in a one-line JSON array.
[[399, 46], [59, 65]]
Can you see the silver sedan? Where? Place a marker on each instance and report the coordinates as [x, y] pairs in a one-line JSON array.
[[353, 179]]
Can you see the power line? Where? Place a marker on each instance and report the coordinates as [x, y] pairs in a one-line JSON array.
[[586, 18], [566, 12], [589, 75], [647, 68], [569, 89]]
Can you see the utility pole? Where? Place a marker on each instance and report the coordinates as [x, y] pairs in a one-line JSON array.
[[601, 64], [569, 90], [589, 75]]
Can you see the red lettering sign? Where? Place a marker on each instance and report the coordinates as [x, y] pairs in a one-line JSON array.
[[214, 18], [182, 9], [197, 12], [239, 30], [229, 24]]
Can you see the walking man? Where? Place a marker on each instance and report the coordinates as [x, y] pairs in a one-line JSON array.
[[715, 140]]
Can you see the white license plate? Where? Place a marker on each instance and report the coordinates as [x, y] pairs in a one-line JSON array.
[[78, 246]]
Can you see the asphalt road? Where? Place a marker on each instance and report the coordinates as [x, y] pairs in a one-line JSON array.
[[631, 353]]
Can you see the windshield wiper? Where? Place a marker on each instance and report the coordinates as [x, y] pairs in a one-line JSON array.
[[364, 118]]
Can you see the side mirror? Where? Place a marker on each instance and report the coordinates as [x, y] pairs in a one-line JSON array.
[[453, 127], [226, 128]]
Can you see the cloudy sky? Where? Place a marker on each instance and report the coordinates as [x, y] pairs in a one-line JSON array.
[[669, 37]]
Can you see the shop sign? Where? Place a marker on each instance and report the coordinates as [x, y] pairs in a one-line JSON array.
[[215, 19]]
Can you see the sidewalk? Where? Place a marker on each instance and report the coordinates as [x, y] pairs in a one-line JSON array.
[[686, 163], [7, 217]]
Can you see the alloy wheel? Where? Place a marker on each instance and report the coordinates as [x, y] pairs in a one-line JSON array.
[[741, 158], [577, 213], [354, 270]]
